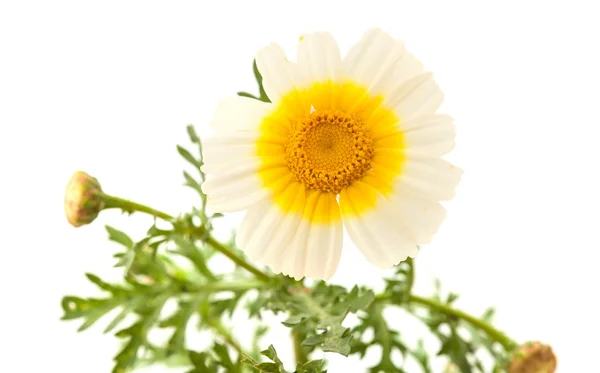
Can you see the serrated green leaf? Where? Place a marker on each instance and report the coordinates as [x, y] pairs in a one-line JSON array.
[[268, 367], [313, 366], [119, 237], [359, 301], [271, 353], [179, 320], [457, 350], [338, 345], [293, 320], [314, 340]]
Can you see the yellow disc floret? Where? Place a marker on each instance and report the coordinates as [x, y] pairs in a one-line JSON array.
[[328, 150]]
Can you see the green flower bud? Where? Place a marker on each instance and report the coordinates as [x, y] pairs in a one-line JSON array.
[[83, 199], [533, 357]]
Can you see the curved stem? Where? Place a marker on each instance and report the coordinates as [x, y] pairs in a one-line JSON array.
[[237, 260], [494, 333], [130, 206]]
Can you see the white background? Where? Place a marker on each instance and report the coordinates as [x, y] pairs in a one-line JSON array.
[[108, 87]]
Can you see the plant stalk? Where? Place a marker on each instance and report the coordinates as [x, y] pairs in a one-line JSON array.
[[130, 206], [492, 332]]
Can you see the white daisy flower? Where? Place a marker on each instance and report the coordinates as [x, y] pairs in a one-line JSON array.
[[353, 142]]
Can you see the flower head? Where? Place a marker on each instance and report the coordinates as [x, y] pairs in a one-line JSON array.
[[350, 142], [533, 357], [83, 199]]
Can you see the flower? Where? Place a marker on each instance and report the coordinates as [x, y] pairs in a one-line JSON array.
[[533, 357], [352, 142], [83, 199]]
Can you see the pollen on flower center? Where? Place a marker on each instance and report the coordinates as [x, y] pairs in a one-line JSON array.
[[328, 150]]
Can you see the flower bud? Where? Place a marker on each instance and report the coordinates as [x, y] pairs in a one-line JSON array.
[[83, 199], [533, 357]]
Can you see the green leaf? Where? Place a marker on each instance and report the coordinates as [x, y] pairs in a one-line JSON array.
[[451, 298], [136, 334], [117, 320], [246, 94], [358, 300], [318, 314], [189, 157], [271, 354], [187, 249], [179, 321], [420, 354], [400, 285], [293, 320], [268, 367], [262, 94], [119, 237], [126, 358], [259, 81], [457, 350], [192, 183], [313, 366], [314, 340], [192, 134], [274, 366]]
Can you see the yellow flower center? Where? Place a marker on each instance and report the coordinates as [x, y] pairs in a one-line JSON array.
[[328, 150]]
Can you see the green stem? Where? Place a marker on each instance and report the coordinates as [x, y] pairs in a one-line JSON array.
[[492, 332], [299, 351], [130, 206], [237, 260], [227, 337], [382, 333], [313, 306], [226, 286]]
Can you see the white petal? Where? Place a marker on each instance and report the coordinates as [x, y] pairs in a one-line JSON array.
[[235, 188], [238, 201], [289, 242], [432, 178], [231, 180], [421, 216], [257, 218], [378, 233], [279, 75], [239, 113], [319, 58], [431, 136], [417, 96], [316, 247], [292, 243], [380, 63], [324, 245], [225, 149]]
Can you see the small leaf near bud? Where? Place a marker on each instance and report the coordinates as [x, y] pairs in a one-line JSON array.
[[533, 357], [83, 199]]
